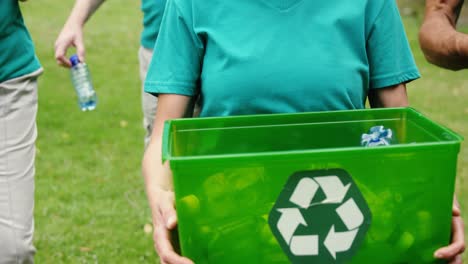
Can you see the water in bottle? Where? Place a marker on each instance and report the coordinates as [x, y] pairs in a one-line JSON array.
[[83, 85]]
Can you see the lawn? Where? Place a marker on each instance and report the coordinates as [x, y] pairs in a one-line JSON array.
[[90, 201]]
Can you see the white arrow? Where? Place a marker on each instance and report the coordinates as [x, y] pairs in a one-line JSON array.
[[289, 220], [333, 188], [305, 245], [350, 214], [304, 192], [339, 241]]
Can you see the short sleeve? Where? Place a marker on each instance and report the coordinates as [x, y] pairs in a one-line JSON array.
[[176, 63], [391, 61]]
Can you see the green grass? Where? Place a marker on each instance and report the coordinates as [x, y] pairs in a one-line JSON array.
[[90, 201]]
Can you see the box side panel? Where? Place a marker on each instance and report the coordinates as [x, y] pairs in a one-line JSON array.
[[223, 204], [292, 118], [293, 137]]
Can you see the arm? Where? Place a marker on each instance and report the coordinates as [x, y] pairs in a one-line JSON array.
[[392, 96], [439, 40], [158, 178], [72, 31]]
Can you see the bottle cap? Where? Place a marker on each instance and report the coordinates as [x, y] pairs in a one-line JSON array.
[[74, 60]]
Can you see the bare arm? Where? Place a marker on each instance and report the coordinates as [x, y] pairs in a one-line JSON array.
[[439, 40], [158, 178], [72, 31], [392, 96]]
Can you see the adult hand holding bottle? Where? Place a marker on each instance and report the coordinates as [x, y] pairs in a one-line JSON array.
[[72, 32]]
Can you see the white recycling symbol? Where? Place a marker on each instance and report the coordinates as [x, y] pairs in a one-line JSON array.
[[302, 196]]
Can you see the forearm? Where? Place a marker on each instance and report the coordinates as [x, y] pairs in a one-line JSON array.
[[157, 176], [392, 96], [439, 40], [82, 11]]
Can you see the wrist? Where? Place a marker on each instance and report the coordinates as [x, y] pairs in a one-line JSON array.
[[75, 21]]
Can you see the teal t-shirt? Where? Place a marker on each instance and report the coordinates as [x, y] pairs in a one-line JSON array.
[[279, 56], [152, 14], [17, 56]]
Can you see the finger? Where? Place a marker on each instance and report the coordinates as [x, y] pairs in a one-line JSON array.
[[80, 49], [164, 247], [63, 62], [457, 260], [60, 51], [168, 212], [455, 207], [455, 210], [457, 245]]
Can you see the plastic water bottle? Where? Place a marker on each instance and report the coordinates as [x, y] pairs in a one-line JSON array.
[[81, 78]]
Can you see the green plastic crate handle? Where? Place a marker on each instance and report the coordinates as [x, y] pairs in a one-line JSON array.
[[165, 141]]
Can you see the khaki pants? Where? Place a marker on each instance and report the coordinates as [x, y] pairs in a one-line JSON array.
[[18, 108], [148, 101]]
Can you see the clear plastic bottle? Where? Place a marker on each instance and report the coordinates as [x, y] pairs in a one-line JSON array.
[[81, 79], [378, 136]]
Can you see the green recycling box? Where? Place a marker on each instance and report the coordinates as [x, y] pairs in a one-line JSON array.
[[300, 188]]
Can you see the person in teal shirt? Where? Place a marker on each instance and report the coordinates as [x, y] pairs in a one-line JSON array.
[[72, 35], [269, 56], [19, 70], [336, 56]]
